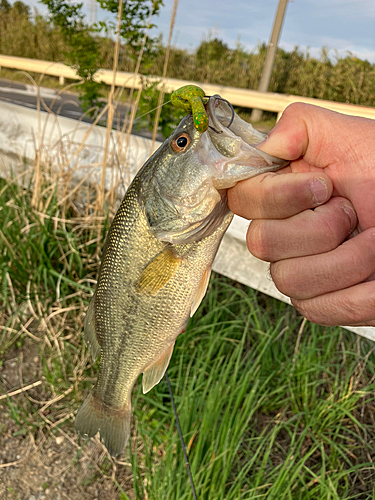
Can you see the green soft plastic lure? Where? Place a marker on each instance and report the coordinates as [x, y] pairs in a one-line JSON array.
[[191, 98]]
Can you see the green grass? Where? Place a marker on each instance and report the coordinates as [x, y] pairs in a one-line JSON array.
[[271, 407], [264, 421]]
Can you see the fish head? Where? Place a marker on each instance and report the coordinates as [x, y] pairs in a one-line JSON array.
[[234, 142], [184, 183]]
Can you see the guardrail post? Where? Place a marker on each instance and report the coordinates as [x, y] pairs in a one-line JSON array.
[[61, 80]]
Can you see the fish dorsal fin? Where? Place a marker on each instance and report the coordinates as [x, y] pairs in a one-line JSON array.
[[90, 331], [158, 272], [201, 290], [155, 372]]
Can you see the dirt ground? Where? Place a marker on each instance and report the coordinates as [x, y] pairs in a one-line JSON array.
[[52, 471], [48, 463]]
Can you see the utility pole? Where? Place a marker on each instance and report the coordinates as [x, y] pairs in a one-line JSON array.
[[257, 114], [93, 12]]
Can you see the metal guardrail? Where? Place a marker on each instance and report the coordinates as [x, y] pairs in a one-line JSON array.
[[266, 101]]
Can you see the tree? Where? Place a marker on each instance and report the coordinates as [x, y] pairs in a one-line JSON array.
[[84, 55], [21, 8], [135, 18], [4, 7], [212, 50]]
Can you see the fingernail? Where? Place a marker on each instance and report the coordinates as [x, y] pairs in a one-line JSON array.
[[319, 190], [352, 216]]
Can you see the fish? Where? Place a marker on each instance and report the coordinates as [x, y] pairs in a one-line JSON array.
[[157, 260]]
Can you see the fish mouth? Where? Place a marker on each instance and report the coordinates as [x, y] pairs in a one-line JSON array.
[[221, 113], [224, 120]]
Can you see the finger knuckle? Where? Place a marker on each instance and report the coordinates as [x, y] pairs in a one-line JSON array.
[[271, 197], [334, 231], [234, 199], [347, 311], [296, 108], [363, 310], [282, 278], [305, 311], [258, 241], [369, 236], [334, 310], [334, 225], [309, 312]]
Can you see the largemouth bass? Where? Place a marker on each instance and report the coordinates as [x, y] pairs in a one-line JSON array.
[[157, 260]]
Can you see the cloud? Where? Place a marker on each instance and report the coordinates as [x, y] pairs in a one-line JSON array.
[[349, 9], [334, 49]]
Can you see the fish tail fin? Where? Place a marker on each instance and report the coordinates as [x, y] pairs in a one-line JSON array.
[[113, 424]]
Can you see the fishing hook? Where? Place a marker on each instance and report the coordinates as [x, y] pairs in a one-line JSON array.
[[231, 107]]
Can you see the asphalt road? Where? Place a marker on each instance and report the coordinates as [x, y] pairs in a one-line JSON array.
[[66, 104]]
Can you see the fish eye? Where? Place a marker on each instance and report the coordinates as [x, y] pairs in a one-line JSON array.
[[180, 142]]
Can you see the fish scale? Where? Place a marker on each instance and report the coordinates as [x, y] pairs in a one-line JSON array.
[[155, 268]]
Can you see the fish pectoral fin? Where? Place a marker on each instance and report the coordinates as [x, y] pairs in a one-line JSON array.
[[201, 290], [90, 331], [158, 272], [155, 372]]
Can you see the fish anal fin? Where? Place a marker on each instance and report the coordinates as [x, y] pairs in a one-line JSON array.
[[201, 290], [90, 331], [158, 272], [155, 372]]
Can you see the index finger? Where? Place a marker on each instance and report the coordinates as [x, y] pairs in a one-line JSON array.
[[279, 195]]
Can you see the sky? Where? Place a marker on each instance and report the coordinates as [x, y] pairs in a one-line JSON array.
[[342, 25]]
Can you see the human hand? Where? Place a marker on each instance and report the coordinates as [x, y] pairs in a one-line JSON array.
[[324, 259]]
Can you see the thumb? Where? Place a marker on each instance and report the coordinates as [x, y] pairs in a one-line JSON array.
[[289, 138], [305, 131]]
